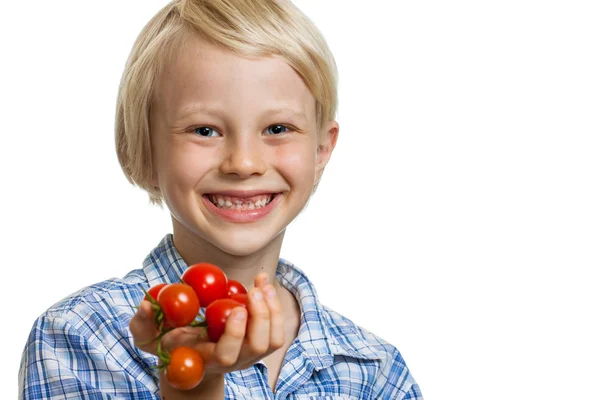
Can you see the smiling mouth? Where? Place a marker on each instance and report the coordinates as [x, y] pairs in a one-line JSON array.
[[236, 203]]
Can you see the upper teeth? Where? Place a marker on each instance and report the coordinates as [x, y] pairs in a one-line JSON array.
[[226, 201]]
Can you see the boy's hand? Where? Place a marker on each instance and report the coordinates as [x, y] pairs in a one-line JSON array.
[[238, 348]]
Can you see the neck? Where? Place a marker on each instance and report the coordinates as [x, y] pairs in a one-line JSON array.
[[242, 268]]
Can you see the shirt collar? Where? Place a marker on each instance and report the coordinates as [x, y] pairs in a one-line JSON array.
[[322, 335], [164, 263]]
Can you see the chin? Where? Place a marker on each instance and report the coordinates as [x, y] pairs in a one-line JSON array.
[[245, 244], [241, 249]]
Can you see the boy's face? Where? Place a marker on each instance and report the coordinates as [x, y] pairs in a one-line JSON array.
[[222, 122]]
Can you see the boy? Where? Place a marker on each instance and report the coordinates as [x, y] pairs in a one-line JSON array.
[[226, 113]]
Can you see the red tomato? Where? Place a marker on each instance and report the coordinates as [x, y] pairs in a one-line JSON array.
[[186, 368], [234, 287], [216, 316], [179, 304], [208, 281], [153, 291], [241, 298]]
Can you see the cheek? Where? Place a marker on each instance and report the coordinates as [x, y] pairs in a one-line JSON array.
[[185, 164], [297, 163]]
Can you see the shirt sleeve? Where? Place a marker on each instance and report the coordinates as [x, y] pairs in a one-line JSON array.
[[59, 361], [399, 383], [414, 393]]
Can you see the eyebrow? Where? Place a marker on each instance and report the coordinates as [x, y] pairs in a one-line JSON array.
[[295, 113], [217, 112]]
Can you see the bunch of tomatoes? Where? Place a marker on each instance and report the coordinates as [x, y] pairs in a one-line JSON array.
[[175, 305]]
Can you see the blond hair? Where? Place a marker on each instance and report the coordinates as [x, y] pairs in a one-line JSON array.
[[251, 28]]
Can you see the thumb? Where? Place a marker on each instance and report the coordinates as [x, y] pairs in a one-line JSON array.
[[261, 279], [143, 328]]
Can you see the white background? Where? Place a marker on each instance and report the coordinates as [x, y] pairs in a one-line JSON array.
[[458, 218]]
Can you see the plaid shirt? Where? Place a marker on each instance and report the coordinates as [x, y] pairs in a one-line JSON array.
[[82, 347]]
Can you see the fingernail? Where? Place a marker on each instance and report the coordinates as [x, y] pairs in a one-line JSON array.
[[257, 295], [142, 311], [239, 315], [270, 291]]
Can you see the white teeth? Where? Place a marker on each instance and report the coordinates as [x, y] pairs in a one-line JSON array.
[[239, 204]]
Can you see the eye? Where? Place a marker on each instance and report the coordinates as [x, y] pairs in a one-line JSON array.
[[204, 131], [277, 129]]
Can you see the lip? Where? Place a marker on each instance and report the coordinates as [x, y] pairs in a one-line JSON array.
[[242, 216], [243, 194]]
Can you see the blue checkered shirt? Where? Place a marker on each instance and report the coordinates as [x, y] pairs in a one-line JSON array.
[[82, 347]]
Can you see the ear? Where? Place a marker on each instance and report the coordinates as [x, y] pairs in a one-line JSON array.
[[326, 145]]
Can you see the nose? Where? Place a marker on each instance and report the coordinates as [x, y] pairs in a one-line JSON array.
[[244, 157]]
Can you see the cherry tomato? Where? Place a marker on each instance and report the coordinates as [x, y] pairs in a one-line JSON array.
[[216, 316], [179, 304], [186, 368], [153, 291], [234, 287], [208, 280], [241, 298]]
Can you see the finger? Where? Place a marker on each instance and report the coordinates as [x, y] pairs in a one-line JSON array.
[[261, 279], [183, 336], [258, 323], [143, 328], [230, 343], [277, 332]]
